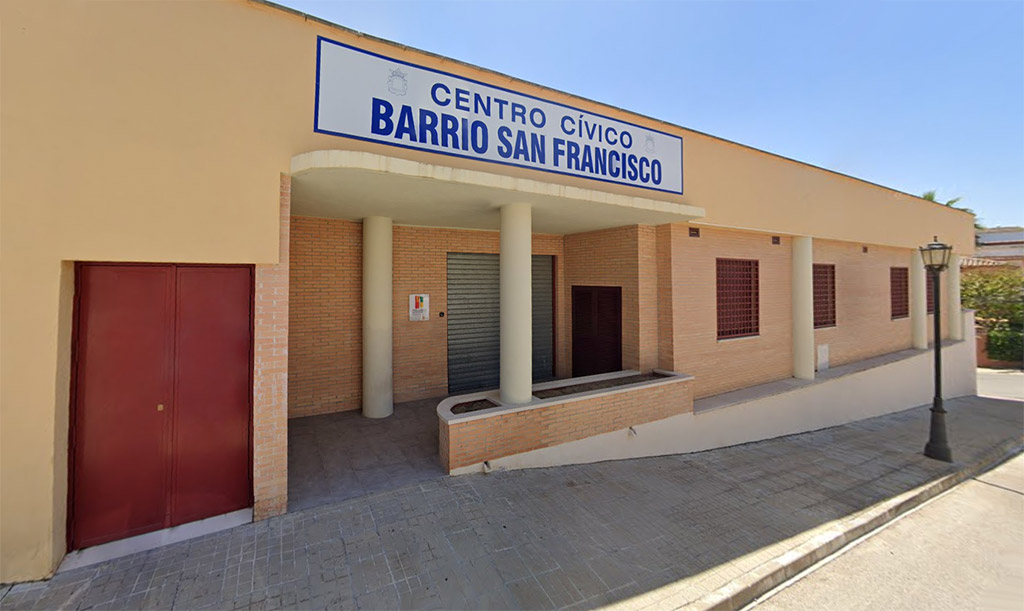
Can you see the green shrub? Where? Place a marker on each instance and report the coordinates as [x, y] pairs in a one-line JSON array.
[[996, 295], [1006, 343]]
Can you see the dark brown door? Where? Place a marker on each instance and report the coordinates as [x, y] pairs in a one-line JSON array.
[[161, 414], [596, 329]]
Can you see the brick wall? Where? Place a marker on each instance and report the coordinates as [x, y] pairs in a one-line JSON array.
[[647, 296], [720, 366], [864, 324], [666, 328], [270, 376], [669, 305], [612, 257], [326, 340], [421, 266], [474, 441], [981, 348], [325, 366]]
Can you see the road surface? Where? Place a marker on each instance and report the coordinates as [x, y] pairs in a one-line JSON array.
[[963, 550], [1002, 383]]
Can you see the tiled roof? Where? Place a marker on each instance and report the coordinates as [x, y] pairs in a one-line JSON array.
[[980, 262]]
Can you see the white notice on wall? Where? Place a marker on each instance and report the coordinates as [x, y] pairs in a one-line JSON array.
[[419, 307]]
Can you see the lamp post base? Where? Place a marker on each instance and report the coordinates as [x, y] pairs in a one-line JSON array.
[[938, 453], [938, 446]]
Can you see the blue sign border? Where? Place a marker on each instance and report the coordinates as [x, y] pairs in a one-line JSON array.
[[316, 121]]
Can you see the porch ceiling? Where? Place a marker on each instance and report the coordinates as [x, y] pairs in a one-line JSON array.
[[354, 185]]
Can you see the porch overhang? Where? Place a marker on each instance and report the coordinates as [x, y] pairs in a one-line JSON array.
[[355, 185]]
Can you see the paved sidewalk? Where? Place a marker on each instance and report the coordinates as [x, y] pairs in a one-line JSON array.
[[649, 532], [341, 456]]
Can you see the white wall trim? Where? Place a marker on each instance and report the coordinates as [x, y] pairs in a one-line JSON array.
[[361, 160]]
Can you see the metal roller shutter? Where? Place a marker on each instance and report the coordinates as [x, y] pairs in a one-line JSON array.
[[543, 318], [474, 324]]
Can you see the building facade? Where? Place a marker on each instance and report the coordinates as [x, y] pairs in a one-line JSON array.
[[1003, 244], [219, 216]]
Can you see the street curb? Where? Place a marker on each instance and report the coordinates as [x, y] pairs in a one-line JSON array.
[[745, 588]]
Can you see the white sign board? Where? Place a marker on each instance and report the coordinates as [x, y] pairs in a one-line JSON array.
[[419, 307], [372, 97]]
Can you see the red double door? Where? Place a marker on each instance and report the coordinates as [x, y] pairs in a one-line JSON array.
[[162, 403]]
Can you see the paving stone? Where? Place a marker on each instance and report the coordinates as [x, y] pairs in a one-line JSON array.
[[510, 565], [385, 598], [654, 531], [559, 588], [529, 594]]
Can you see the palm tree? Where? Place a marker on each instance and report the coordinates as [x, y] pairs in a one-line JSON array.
[[931, 196]]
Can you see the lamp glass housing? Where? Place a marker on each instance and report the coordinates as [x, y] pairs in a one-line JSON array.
[[936, 255]]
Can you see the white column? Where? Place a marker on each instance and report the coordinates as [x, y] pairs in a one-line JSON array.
[[516, 304], [378, 394], [954, 313], [803, 308], [918, 302]]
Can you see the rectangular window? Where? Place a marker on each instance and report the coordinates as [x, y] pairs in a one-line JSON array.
[[928, 288], [899, 294], [824, 295], [737, 291]]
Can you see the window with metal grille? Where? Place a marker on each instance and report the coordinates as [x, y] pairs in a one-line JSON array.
[[928, 288], [899, 294], [737, 290], [824, 295]]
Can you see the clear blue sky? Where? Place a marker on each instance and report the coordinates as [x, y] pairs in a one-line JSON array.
[[912, 95]]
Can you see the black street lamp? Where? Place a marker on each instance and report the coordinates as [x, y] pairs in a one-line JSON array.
[[936, 259]]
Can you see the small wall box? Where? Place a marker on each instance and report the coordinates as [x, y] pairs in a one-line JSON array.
[[419, 307]]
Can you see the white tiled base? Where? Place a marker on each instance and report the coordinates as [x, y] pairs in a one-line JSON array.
[[148, 541]]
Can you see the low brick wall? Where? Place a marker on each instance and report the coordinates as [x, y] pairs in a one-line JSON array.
[[471, 439]]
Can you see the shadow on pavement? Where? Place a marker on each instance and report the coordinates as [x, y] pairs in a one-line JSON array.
[[582, 536]]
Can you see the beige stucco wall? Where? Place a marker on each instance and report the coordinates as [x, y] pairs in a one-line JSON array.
[[156, 131], [745, 189]]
